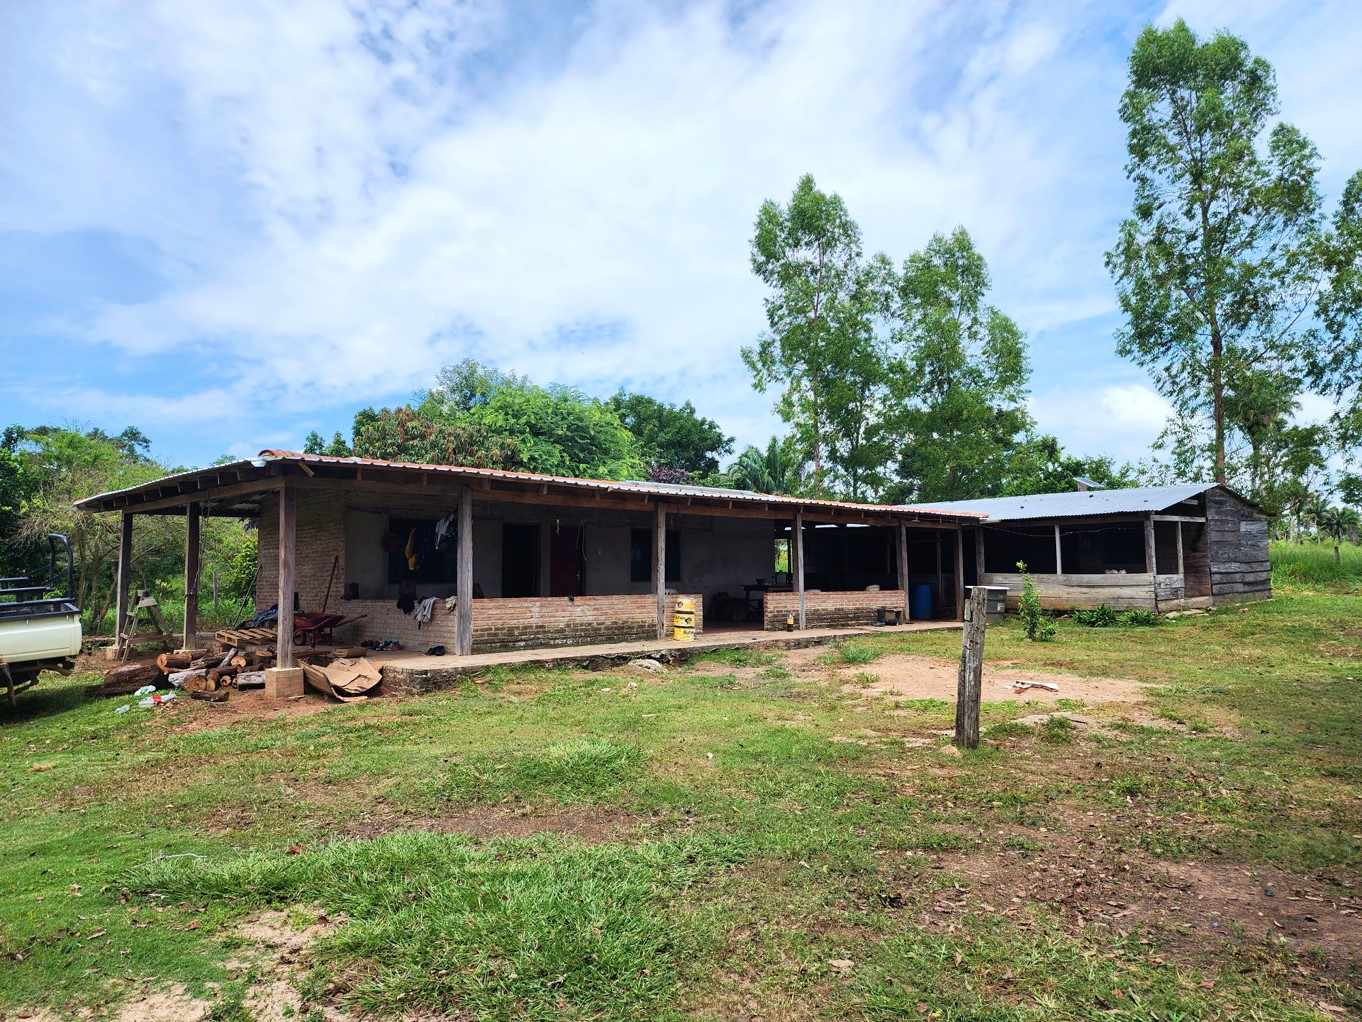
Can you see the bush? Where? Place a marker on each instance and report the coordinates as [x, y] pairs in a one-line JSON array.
[[1103, 616], [1039, 626], [1100, 616]]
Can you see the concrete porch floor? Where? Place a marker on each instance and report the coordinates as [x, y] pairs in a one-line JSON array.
[[405, 670]]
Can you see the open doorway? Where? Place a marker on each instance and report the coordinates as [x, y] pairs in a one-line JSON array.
[[567, 565], [519, 560]]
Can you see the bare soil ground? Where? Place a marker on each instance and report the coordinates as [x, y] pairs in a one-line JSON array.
[[920, 677], [588, 824]]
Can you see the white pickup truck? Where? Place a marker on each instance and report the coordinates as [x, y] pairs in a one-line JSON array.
[[38, 632]]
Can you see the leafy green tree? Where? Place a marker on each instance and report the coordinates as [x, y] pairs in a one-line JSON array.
[[822, 349], [779, 469], [1219, 260], [1041, 465], [672, 436], [314, 444], [959, 375], [1334, 363], [480, 417]]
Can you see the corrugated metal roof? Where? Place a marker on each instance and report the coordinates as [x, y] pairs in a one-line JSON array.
[[1075, 503], [150, 490]]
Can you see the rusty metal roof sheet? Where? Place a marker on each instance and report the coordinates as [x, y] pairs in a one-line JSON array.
[[107, 501]]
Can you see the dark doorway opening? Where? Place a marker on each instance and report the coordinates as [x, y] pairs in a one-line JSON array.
[[519, 560], [567, 573]]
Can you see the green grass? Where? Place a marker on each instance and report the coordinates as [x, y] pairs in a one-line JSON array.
[[737, 837], [1314, 565]]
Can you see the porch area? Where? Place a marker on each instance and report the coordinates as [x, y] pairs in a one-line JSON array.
[[492, 563], [405, 671]]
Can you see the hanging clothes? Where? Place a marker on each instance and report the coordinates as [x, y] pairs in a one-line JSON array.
[[423, 611], [442, 527]]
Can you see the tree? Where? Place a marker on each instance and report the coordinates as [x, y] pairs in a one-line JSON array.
[[1220, 259], [959, 375], [1334, 364], [1339, 524], [478, 416], [822, 348], [337, 448], [778, 469], [1041, 465], [672, 436]]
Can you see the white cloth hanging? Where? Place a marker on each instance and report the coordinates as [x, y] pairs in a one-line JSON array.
[[423, 610], [441, 527]]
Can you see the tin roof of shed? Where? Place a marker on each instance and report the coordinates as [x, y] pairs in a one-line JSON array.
[[1075, 503]]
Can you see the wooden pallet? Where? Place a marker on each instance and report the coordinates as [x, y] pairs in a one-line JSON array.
[[239, 637]]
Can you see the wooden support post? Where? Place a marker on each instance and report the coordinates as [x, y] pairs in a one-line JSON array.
[[1180, 564], [970, 679], [979, 555], [191, 574], [288, 545], [959, 574], [660, 568], [463, 586], [799, 564], [123, 583], [903, 569], [1059, 553], [1150, 562]]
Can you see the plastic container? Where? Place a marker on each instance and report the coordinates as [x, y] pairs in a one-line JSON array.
[[920, 603]]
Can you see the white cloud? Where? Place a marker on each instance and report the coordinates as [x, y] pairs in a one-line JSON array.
[[341, 202], [1120, 419]]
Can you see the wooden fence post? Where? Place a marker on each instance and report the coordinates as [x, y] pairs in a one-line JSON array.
[[970, 679]]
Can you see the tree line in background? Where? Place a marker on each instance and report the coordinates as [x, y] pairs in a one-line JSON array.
[[902, 381]]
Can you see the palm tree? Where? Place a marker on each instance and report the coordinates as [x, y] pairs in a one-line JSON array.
[[778, 469], [1338, 523]]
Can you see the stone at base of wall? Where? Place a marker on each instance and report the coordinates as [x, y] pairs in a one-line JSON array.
[[283, 682]]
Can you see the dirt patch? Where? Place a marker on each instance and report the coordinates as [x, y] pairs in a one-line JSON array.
[[918, 677], [275, 952], [585, 824], [164, 1004], [1087, 879]]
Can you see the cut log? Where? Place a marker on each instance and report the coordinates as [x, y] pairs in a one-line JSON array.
[[129, 677], [221, 676], [199, 682], [179, 678], [250, 679]]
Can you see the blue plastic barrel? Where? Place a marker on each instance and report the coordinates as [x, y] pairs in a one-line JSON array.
[[920, 602]]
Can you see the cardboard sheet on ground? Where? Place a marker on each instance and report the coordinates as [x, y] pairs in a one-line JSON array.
[[345, 678]]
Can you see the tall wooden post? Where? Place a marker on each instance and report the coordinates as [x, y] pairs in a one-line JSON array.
[[1059, 553], [979, 555], [288, 545], [191, 574], [1181, 571], [1150, 563], [463, 585], [903, 569], [799, 564], [959, 574], [123, 584], [970, 679], [660, 568]]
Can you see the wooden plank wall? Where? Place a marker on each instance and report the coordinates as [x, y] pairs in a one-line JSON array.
[[1062, 592], [1237, 548]]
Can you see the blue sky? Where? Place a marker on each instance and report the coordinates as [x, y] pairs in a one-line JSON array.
[[232, 228]]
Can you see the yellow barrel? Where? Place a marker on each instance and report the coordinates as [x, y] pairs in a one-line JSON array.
[[683, 619]]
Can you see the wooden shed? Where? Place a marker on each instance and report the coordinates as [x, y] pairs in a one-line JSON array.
[[1155, 547]]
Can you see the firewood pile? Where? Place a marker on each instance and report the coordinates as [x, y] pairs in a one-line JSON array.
[[212, 674]]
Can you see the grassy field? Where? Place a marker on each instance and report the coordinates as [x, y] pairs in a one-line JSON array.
[[751, 836], [1314, 566]]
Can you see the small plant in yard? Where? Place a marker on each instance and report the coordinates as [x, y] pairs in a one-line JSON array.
[[1103, 616], [1039, 626]]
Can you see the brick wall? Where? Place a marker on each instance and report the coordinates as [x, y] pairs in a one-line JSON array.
[[828, 609], [320, 538], [502, 624]]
